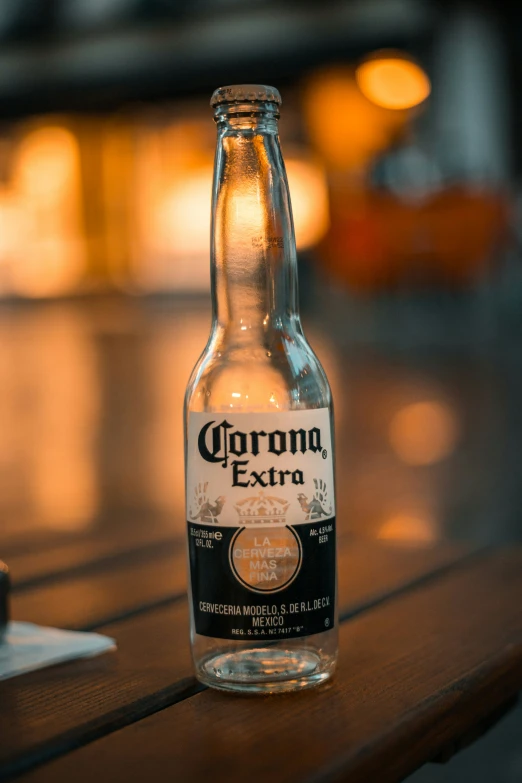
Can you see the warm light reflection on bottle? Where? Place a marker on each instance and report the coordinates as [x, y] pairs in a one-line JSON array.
[[407, 529], [241, 214], [393, 81], [424, 433]]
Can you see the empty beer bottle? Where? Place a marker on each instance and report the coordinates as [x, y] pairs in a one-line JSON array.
[[258, 422]]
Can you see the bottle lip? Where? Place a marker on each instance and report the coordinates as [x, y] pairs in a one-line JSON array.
[[245, 93]]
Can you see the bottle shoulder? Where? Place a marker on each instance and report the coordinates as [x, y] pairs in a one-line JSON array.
[[279, 372]]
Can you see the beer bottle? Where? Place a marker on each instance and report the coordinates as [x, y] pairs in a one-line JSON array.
[[258, 424]]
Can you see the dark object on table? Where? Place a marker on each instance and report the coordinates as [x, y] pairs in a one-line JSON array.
[[4, 597]]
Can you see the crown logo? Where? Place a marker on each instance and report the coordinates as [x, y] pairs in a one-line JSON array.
[[262, 510]]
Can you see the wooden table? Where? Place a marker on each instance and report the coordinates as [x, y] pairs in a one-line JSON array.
[[430, 653]]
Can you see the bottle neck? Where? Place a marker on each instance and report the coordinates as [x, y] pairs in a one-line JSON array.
[[254, 270]]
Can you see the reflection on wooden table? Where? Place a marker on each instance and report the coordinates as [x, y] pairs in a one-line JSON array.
[[91, 426]]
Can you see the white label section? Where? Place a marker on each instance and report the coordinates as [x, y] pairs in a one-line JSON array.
[[260, 469]]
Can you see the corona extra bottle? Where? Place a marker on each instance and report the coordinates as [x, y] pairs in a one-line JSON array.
[[258, 422]]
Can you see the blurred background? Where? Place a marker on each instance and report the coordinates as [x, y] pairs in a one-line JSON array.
[[400, 127]]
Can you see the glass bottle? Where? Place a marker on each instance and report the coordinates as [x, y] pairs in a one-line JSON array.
[[259, 433]]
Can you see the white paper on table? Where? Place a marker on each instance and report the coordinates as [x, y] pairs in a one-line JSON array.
[[26, 647]]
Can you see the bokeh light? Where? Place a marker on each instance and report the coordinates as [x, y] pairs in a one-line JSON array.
[[309, 195], [405, 528], [174, 169], [393, 82], [424, 433], [47, 159], [346, 128], [42, 251], [50, 397]]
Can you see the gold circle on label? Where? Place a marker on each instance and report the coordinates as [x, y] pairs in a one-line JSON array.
[[266, 559]]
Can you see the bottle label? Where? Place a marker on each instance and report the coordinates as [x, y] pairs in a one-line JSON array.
[[261, 524]]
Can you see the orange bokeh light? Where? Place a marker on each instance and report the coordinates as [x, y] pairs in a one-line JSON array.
[[393, 82], [172, 203], [47, 158], [346, 128], [309, 195], [42, 251], [406, 528], [49, 443], [423, 433]]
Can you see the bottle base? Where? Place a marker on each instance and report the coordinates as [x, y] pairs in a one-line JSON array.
[[264, 670]]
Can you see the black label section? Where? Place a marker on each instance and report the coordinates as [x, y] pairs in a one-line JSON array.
[[267, 583]]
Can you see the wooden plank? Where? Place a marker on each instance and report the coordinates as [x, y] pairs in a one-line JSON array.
[[370, 572], [367, 571], [48, 713], [413, 674], [73, 558], [86, 601], [19, 538], [61, 708], [15, 542]]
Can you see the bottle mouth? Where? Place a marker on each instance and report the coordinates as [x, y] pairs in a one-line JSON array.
[[224, 112], [245, 100], [245, 94]]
